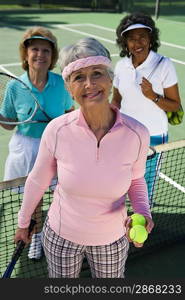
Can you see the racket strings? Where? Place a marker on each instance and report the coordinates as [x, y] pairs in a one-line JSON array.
[[18, 103]]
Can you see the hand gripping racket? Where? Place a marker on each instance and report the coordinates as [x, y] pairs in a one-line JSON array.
[[14, 93], [17, 252]]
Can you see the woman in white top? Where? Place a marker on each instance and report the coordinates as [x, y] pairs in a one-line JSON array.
[[145, 82], [145, 86]]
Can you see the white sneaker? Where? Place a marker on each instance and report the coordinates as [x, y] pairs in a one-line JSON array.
[[35, 250]]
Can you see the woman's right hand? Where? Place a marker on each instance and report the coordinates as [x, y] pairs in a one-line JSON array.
[[147, 89], [128, 227], [149, 227]]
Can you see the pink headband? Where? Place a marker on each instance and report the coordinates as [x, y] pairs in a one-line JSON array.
[[85, 62]]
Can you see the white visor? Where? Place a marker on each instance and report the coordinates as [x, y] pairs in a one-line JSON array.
[[135, 26]]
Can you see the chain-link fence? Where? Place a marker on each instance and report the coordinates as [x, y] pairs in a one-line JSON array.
[[164, 7]]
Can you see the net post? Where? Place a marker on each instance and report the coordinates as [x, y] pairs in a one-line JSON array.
[[157, 9]]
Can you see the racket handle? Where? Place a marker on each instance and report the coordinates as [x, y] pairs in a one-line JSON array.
[[17, 252]]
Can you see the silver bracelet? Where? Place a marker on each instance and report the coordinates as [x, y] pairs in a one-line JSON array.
[[157, 98]]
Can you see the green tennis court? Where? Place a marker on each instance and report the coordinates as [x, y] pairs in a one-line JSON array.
[[69, 27]]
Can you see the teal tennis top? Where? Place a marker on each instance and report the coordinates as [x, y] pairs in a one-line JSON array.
[[54, 99]]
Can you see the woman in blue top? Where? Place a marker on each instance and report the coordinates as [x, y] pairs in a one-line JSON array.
[[39, 54]]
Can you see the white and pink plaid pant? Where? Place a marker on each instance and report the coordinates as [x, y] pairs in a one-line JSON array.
[[65, 258]]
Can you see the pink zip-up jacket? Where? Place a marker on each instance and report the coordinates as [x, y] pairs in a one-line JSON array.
[[93, 179]]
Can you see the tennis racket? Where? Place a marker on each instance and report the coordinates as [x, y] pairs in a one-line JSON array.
[[17, 252], [154, 69], [15, 94]]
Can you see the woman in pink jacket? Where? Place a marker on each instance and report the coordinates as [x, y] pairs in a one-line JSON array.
[[99, 155]]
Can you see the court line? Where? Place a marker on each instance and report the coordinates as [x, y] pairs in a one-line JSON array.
[[172, 182], [67, 27], [173, 59], [112, 55], [113, 30], [162, 42], [178, 61], [6, 70], [172, 21], [100, 38], [101, 27], [84, 33], [172, 45], [11, 64]]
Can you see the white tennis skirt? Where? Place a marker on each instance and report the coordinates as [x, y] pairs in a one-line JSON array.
[[22, 155]]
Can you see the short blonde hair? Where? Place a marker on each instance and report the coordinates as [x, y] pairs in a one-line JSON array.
[[38, 31]]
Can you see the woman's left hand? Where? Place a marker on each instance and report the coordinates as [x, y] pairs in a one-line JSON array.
[[147, 90], [149, 226]]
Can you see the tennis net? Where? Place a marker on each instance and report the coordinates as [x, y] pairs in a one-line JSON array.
[[165, 176], [166, 179]]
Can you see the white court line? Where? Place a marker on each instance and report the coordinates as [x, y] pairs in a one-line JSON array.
[[112, 55], [6, 71], [67, 27], [88, 24], [178, 61], [101, 27], [10, 65], [172, 45], [172, 182], [85, 33], [76, 24], [173, 59], [172, 21], [112, 30], [103, 39]]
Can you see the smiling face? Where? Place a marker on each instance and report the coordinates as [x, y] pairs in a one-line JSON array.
[[138, 43], [90, 86], [39, 55]]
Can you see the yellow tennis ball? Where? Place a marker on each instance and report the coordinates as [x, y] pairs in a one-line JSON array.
[[169, 114], [180, 113], [138, 233], [171, 121], [176, 120], [138, 219]]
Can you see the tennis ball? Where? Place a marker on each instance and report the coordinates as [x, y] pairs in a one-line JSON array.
[[169, 114], [176, 120], [180, 113], [138, 233], [171, 121], [138, 219]]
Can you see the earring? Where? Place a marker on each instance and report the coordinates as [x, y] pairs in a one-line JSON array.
[[25, 63], [128, 52]]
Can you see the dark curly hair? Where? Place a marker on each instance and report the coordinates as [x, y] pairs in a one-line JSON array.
[[135, 18]]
